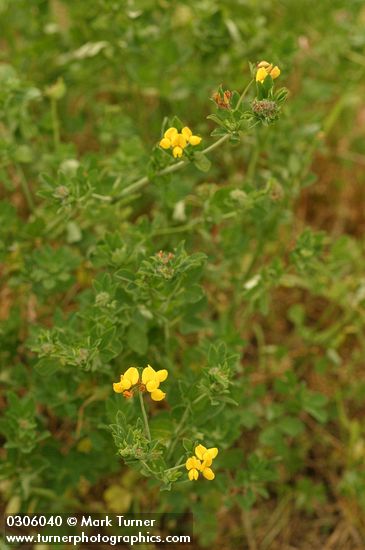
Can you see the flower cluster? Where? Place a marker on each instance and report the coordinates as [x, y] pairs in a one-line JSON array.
[[201, 462], [265, 109], [223, 100], [265, 69], [178, 141], [150, 382]]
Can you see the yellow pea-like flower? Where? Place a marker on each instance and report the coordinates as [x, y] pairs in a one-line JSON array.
[[193, 466], [201, 462], [264, 69], [275, 72], [193, 474], [179, 140], [165, 143], [177, 152], [127, 380], [208, 474], [192, 462], [170, 133], [117, 387], [261, 74], [132, 375], [158, 395], [186, 132], [195, 140], [204, 454], [152, 379], [152, 385]]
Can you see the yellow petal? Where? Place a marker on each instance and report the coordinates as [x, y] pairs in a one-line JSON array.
[[192, 462], [117, 387], [211, 453], [264, 64], [157, 395], [170, 133], [186, 132], [195, 140], [193, 474], [275, 72], [206, 463], [148, 374], [200, 450], [165, 143], [177, 152], [162, 375], [152, 385], [125, 383], [189, 464], [208, 474], [261, 75], [179, 141], [132, 375]]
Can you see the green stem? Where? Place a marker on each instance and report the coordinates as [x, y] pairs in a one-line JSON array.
[[174, 167], [175, 468], [147, 467], [181, 425], [55, 123], [178, 228], [25, 187], [145, 419], [243, 95]]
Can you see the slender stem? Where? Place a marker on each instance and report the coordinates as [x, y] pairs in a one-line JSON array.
[[178, 228], [55, 123], [244, 93], [175, 468], [246, 520], [181, 425], [25, 187], [147, 467], [174, 167], [145, 419]]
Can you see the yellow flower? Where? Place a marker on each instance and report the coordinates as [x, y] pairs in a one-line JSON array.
[[170, 133], [264, 69], [195, 140], [178, 141], [186, 132], [201, 463], [261, 74], [127, 380], [168, 137], [275, 72], [264, 64], [152, 379], [193, 466], [203, 453], [165, 143], [177, 152]]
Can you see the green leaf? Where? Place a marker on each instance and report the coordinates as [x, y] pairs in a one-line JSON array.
[[291, 426], [137, 339], [188, 445], [202, 162], [219, 132], [47, 366]]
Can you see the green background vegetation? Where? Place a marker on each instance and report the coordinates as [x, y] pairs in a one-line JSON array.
[[262, 309]]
